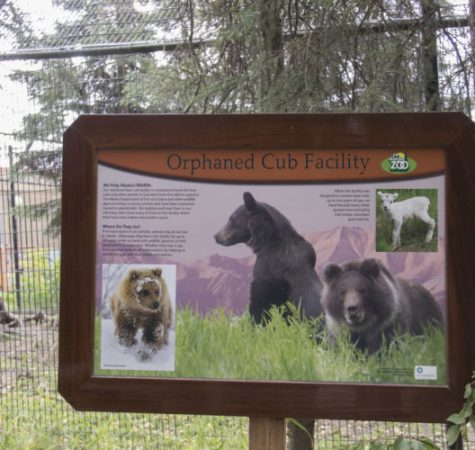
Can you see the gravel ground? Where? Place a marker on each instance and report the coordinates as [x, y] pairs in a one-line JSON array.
[[28, 352]]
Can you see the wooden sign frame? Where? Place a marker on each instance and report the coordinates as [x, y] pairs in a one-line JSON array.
[[451, 132]]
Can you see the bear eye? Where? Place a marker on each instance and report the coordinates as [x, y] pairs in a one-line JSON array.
[[342, 292], [362, 290], [145, 292]]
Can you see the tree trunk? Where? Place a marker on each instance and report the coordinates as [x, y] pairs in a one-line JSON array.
[[430, 60], [472, 36], [272, 57]]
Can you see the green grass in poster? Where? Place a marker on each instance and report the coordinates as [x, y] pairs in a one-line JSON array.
[[223, 346], [413, 231]]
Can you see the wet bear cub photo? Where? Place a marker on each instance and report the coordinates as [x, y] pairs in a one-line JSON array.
[[284, 268], [364, 297], [141, 301]]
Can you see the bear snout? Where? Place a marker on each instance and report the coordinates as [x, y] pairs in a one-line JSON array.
[[155, 305], [223, 238], [219, 238], [354, 311], [227, 237], [354, 315]]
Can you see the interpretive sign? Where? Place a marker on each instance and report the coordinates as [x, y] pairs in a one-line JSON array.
[[268, 265]]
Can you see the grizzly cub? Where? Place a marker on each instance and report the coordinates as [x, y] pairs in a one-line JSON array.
[[364, 297], [141, 300]]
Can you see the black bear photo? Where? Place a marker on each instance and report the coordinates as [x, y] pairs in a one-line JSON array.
[[364, 297], [285, 262]]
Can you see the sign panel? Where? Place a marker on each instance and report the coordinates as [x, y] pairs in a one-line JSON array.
[[153, 215], [241, 267]]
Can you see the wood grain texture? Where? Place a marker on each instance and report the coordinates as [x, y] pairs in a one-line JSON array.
[[273, 131], [460, 218], [452, 132], [266, 434], [78, 261]]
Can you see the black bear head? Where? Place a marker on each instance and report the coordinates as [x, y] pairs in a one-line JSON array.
[[250, 223], [249, 201], [261, 223], [236, 230]]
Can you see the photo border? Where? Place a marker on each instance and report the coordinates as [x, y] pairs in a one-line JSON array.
[[451, 132], [134, 361]]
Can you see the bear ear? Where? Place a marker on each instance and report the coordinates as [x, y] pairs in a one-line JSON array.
[[371, 267], [133, 275], [395, 196], [380, 193], [249, 201], [157, 272], [331, 271]]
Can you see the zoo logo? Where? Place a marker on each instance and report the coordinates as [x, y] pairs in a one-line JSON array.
[[398, 163]]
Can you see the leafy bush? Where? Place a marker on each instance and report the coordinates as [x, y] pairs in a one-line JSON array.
[[39, 282], [459, 421]]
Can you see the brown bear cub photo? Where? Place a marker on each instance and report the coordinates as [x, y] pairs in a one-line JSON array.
[[374, 306], [141, 301]]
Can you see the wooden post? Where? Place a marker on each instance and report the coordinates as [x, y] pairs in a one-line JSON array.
[[266, 433]]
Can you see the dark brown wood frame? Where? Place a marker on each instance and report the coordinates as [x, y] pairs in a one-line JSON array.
[[452, 132]]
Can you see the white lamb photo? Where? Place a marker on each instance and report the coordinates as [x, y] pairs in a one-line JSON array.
[[400, 212]]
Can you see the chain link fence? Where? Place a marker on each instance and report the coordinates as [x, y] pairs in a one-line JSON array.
[[85, 56]]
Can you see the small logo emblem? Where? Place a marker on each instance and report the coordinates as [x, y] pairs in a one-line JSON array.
[[398, 162], [425, 372]]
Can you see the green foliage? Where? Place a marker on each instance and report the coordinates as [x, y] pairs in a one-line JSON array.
[[43, 421], [39, 281], [457, 428], [413, 231], [13, 23], [460, 421], [62, 90], [232, 57], [266, 56], [247, 56], [219, 345], [412, 444], [40, 169]]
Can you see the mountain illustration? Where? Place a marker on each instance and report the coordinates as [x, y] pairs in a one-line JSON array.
[[223, 281]]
